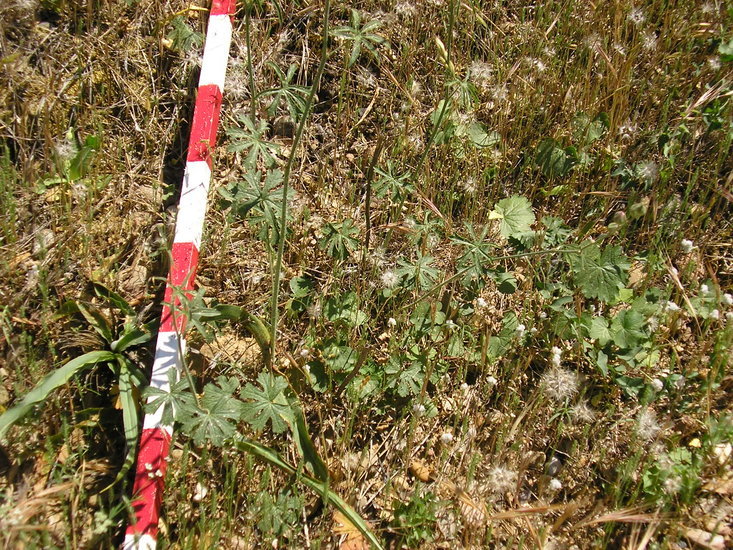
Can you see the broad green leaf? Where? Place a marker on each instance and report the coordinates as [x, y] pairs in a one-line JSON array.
[[57, 378], [130, 414], [587, 130], [599, 274], [480, 136], [553, 159], [515, 214], [301, 286], [599, 330], [305, 444], [213, 421], [268, 403], [627, 328]]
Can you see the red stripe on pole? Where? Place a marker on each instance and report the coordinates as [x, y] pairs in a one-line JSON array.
[[223, 7], [185, 257], [205, 123], [149, 477]]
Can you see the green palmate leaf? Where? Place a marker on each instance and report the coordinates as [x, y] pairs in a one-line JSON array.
[[57, 378], [553, 159], [599, 274], [515, 214], [339, 240], [178, 403], [627, 328], [183, 37], [270, 403], [420, 274], [213, 421], [253, 138], [599, 330]]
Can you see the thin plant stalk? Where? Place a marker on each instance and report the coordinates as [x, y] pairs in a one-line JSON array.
[[286, 182]]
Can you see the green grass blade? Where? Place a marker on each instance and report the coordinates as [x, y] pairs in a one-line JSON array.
[[129, 339], [57, 378], [272, 457], [130, 418]]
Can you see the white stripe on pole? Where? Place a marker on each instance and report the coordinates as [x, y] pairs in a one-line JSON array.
[[216, 51], [192, 204], [139, 542]]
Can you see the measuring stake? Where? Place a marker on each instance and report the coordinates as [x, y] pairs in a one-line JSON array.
[[152, 459]]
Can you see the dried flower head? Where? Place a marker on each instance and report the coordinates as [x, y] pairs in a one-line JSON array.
[[559, 383], [636, 16], [502, 479], [390, 279], [582, 413], [647, 426]]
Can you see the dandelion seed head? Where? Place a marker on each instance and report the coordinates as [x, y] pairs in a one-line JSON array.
[[500, 93], [559, 383], [314, 311], [502, 479], [647, 427], [200, 492], [405, 9], [672, 485], [636, 16], [481, 74], [582, 413], [648, 171], [627, 130], [390, 279], [469, 186], [648, 41]]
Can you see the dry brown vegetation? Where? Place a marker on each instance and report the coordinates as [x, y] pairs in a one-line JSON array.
[[438, 426]]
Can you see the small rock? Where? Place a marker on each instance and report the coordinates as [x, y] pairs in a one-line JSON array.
[[703, 539]]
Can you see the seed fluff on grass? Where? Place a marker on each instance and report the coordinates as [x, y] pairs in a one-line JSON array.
[[559, 384]]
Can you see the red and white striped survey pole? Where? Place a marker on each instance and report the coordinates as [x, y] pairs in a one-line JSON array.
[[152, 458]]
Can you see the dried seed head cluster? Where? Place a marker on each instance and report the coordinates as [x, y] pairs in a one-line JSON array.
[[502, 480], [647, 426], [559, 384]]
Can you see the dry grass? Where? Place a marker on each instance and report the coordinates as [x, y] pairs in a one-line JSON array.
[[502, 462]]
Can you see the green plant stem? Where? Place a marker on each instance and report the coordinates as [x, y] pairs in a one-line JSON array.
[[286, 182], [250, 68]]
